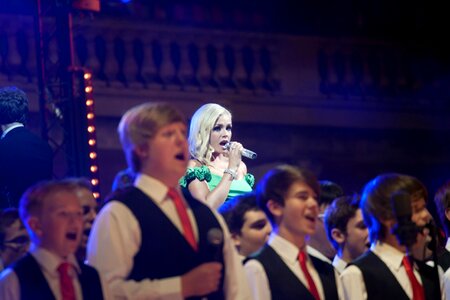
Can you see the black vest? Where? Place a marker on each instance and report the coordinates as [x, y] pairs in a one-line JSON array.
[[381, 283], [284, 285], [164, 251], [34, 286], [444, 260]]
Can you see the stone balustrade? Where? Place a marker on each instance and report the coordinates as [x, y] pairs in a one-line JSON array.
[[130, 60], [274, 84]]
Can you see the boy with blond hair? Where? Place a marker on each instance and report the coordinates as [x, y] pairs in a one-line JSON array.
[[53, 217]]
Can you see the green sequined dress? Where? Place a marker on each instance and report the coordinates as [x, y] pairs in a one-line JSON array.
[[203, 173]]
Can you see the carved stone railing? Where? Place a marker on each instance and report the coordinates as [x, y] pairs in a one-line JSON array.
[[141, 56], [268, 81], [263, 77]]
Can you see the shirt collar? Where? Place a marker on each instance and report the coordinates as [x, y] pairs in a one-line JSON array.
[[11, 127], [50, 261], [152, 187], [447, 246], [287, 250], [317, 254], [388, 254], [339, 264]]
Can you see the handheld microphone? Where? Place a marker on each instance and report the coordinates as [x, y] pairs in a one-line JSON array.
[[405, 229], [214, 237], [215, 241], [245, 152]]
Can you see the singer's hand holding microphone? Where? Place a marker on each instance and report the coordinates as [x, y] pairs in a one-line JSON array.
[[237, 147]]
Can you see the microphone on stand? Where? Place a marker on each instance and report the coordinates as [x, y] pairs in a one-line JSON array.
[[405, 229], [432, 234], [245, 152]]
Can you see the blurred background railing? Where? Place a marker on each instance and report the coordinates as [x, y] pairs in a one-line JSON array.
[[347, 107]]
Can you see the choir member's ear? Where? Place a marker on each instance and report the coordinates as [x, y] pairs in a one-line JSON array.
[[338, 236]]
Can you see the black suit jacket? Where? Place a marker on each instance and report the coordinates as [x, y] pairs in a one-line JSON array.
[[444, 260], [24, 160]]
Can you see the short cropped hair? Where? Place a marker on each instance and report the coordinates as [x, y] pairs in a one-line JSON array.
[[233, 211], [13, 105], [202, 123], [7, 217], [442, 201], [337, 215], [276, 183], [33, 199], [376, 200], [141, 123], [329, 191]]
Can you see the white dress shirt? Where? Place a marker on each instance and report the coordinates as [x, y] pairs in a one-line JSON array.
[[116, 238], [339, 264], [353, 281], [48, 263], [288, 252], [317, 254]]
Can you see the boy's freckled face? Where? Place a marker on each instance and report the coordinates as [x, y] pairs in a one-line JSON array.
[[168, 152], [61, 223]]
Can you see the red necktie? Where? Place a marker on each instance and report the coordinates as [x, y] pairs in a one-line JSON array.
[[65, 281], [311, 285], [184, 218], [418, 293]]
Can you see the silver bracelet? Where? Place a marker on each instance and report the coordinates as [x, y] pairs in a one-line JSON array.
[[231, 172]]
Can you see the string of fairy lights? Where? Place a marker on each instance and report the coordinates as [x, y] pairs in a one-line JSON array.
[[91, 133]]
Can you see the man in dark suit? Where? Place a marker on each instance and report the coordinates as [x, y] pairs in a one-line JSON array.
[[24, 157]]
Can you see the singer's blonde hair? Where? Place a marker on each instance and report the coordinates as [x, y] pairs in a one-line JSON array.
[[202, 123]]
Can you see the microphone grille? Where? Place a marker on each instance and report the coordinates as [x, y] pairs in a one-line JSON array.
[[215, 236]]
